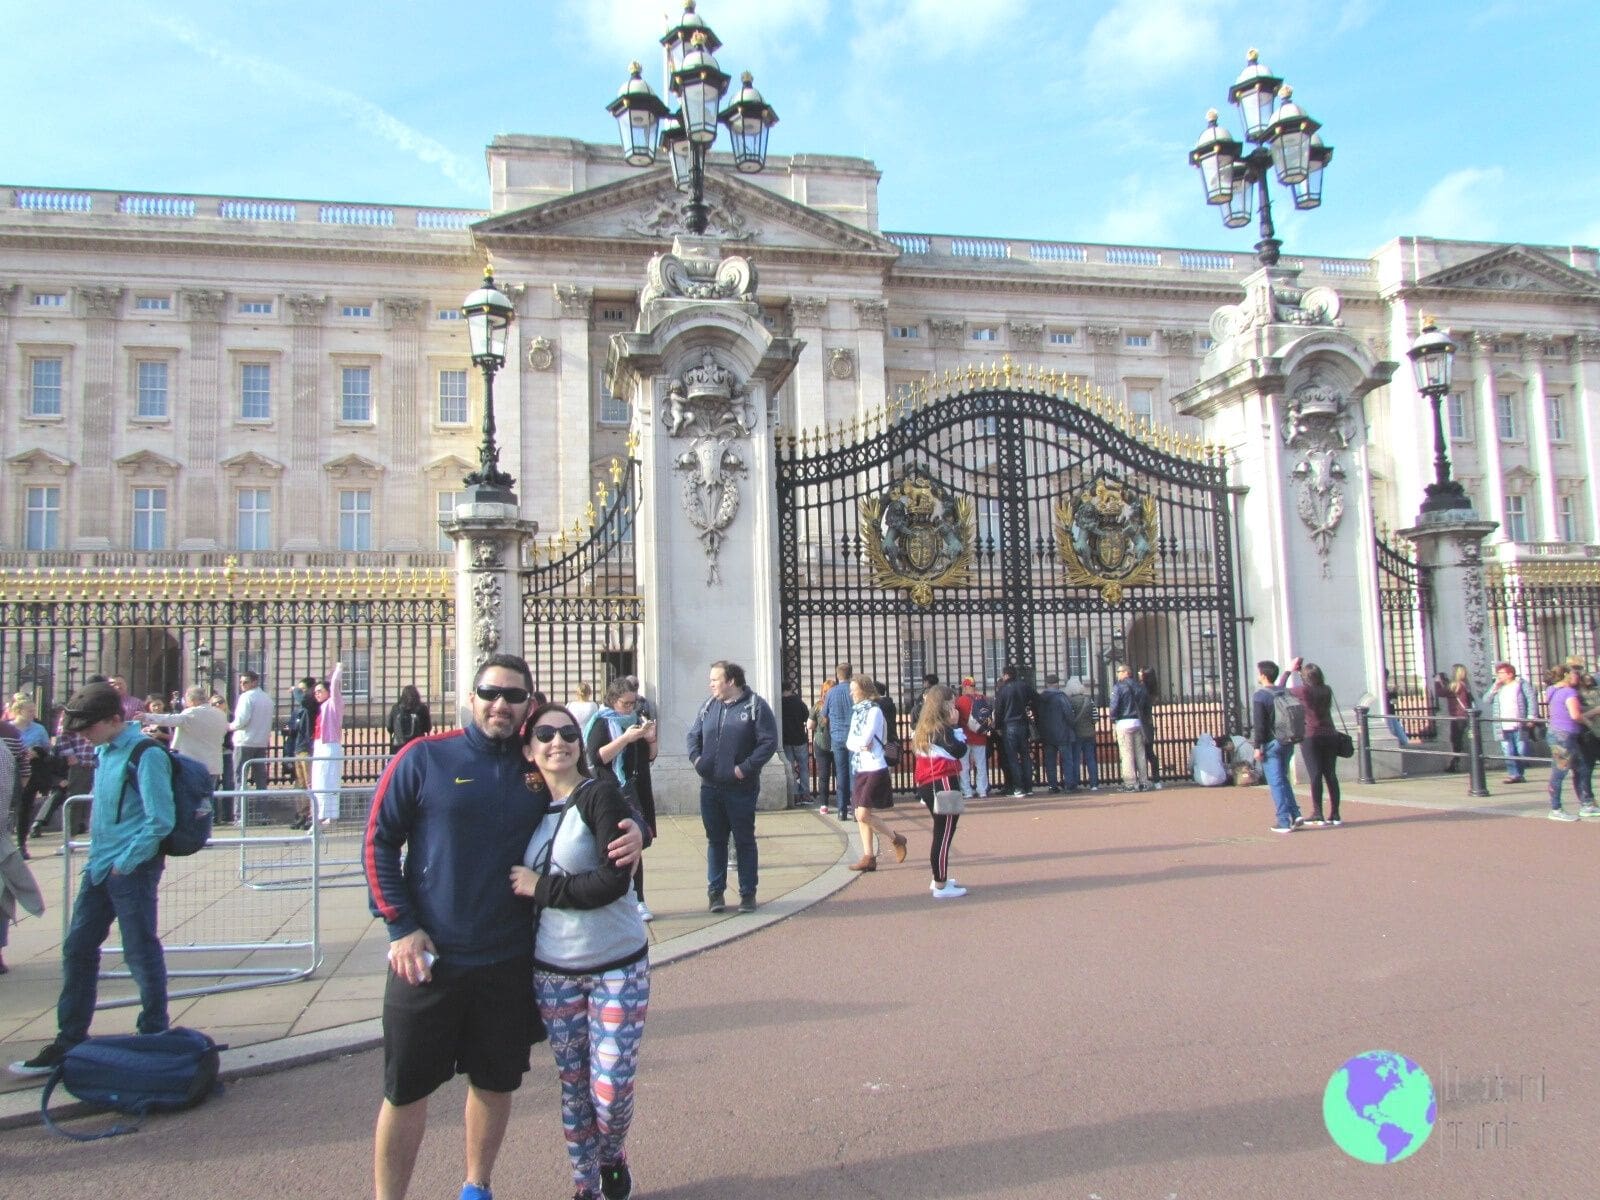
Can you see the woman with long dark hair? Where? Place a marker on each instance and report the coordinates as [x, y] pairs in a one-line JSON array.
[[409, 719], [870, 769], [591, 961], [1319, 751], [620, 743], [937, 747]]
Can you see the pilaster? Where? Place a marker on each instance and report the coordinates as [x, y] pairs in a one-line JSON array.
[[575, 406], [304, 492], [407, 418], [1106, 340], [810, 315], [1586, 412], [868, 370], [1494, 479], [97, 413], [1546, 528]]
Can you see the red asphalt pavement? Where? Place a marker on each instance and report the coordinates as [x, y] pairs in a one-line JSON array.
[[1142, 998]]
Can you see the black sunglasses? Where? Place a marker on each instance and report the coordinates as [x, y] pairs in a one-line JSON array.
[[549, 733], [511, 695]]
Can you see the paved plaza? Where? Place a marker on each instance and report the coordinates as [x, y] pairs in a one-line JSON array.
[[1142, 996]]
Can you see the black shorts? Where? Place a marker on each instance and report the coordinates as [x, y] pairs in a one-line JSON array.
[[871, 789], [472, 1021]]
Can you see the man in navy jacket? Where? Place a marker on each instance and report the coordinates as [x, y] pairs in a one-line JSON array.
[[731, 739], [459, 998]]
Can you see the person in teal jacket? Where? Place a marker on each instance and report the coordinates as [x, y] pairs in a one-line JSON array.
[[120, 878]]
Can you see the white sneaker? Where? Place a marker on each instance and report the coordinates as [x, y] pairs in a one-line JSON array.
[[949, 891], [934, 887], [644, 912]]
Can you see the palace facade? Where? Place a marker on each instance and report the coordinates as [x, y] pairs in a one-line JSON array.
[[185, 379]]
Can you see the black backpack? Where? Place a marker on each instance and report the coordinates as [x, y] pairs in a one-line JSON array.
[[193, 793], [136, 1074], [1288, 717], [983, 713]]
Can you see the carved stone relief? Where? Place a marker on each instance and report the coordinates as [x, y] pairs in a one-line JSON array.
[[487, 607], [724, 221], [841, 363], [808, 310], [541, 353], [697, 277], [1026, 335], [1276, 301], [872, 314], [403, 310], [708, 405], [945, 332], [205, 304], [306, 310], [1475, 598], [575, 301], [1318, 427], [100, 301]]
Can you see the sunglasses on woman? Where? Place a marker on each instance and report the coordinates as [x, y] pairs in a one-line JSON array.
[[511, 695], [549, 733]]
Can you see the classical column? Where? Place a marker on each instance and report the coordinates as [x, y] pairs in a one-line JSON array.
[[95, 530], [574, 418], [1106, 340], [8, 416], [872, 322], [304, 489], [809, 314], [1180, 357], [1586, 414], [406, 507], [1450, 550], [1494, 480], [1544, 484], [205, 513]]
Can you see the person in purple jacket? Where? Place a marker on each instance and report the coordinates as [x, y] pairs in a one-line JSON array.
[[451, 816]]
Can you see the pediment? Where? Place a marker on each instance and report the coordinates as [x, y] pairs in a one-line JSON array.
[[1517, 270], [353, 466], [251, 463], [147, 462], [650, 208], [447, 466], [38, 461]]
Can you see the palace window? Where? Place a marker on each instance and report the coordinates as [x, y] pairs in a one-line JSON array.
[[355, 394], [453, 397], [1517, 517], [150, 518], [985, 333], [44, 394], [254, 524], [151, 403], [255, 308], [1136, 341], [1455, 412], [1060, 337], [1207, 344], [1506, 415], [1077, 657], [359, 680], [447, 314], [1567, 518], [1558, 419], [905, 332], [49, 299], [445, 510], [153, 303], [42, 520], [255, 391], [359, 312], [1141, 402], [355, 520], [613, 411]]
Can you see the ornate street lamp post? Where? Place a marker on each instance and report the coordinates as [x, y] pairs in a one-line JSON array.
[[1284, 139], [1431, 356], [488, 315], [694, 77]]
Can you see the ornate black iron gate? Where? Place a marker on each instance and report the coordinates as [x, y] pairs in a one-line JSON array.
[[1009, 523], [1404, 611]]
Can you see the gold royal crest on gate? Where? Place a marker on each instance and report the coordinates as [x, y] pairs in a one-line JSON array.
[[1106, 536], [919, 536]]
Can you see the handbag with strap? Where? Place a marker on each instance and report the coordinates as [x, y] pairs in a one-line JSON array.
[[948, 802], [891, 752], [1344, 745]]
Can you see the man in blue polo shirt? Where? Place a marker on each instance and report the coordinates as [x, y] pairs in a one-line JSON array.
[[120, 879]]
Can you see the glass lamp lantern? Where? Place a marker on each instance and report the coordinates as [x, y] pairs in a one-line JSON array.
[[488, 314], [1308, 193], [678, 40], [1214, 154], [701, 84], [1253, 93], [749, 118], [1290, 140], [638, 111], [1240, 204], [1431, 356]]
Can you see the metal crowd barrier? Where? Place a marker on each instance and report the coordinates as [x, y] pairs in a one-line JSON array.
[[210, 919], [1477, 759], [340, 843]]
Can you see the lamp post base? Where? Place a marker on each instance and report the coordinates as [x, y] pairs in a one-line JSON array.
[[1445, 496]]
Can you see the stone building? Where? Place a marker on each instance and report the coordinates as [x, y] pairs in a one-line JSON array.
[[184, 378]]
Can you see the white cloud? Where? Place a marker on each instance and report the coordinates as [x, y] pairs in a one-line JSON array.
[[631, 29], [1142, 213], [1461, 205], [928, 30], [1138, 43], [363, 112]]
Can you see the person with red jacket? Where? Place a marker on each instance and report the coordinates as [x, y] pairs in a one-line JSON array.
[[974, 772], [938, 746]]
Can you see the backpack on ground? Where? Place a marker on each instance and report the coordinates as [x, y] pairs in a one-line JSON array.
[[136, 1074], [193, 793], [1288, 717]]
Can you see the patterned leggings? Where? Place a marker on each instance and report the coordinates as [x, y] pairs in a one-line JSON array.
[[596, 1023]]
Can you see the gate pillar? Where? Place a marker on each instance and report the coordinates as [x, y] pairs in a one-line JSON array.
[[1282, 393], [1451, 551], [489, 535], [700, 372]]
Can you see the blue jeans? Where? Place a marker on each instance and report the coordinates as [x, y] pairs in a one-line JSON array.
[[1515, 745], [799, 760], [1275, 767], [725, 810], [843, 777], [1578, 763], [1088, 761], [130, 900], [1062, 755], [1399, 730], [1018, 755]]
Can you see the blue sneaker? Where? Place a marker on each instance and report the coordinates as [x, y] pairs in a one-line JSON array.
[[471, 1191]]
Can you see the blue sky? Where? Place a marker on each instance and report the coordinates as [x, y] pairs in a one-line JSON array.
[[1056, 121]]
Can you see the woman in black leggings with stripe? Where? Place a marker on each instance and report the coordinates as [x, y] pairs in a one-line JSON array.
[[1319, 753]]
